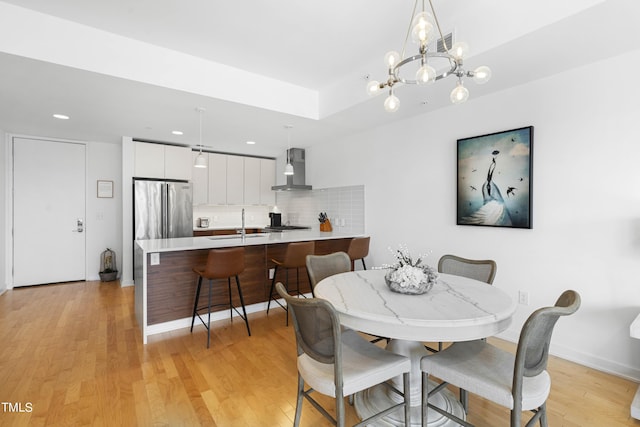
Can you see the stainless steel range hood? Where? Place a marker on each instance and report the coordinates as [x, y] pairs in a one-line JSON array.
[[297, 180]]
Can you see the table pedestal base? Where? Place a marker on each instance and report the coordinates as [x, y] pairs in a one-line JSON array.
[[378, 398]]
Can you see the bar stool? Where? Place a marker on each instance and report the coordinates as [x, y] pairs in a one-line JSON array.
[[358, 249], [294, 257], [221, 264]]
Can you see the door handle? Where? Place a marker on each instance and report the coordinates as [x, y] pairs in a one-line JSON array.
[[79, 226]]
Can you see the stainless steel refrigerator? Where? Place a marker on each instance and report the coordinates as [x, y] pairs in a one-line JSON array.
[[162, 209]]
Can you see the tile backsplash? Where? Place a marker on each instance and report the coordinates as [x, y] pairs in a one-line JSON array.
[[344, 207]]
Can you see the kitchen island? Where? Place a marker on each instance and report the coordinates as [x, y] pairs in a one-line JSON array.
[[165, 283]]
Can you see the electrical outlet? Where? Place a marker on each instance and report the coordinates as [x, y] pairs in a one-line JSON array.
[[523, 297], [271, 272], [155, 258]]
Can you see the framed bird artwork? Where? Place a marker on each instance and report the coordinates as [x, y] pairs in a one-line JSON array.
[[495, 179]]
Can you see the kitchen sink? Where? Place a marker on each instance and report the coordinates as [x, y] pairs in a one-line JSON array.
[[239, 236]]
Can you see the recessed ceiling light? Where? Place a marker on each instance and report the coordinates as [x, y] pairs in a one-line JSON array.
[[251, 142], [177, 132], [61, 116]]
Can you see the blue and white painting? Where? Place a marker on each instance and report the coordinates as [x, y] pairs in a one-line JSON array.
[[494, 179]]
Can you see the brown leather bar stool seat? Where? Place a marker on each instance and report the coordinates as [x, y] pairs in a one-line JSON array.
[[221, 264], [358, 250], [294, 257]]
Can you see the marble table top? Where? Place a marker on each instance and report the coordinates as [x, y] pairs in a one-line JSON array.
[[455, 309]]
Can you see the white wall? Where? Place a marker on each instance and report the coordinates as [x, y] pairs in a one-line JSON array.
[[103, 216], [586, 200], [4, 206]]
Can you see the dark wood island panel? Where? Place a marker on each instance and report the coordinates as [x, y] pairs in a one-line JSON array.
[[171, 285]]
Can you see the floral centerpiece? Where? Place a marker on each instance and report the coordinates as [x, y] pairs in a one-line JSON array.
[[407, 276]]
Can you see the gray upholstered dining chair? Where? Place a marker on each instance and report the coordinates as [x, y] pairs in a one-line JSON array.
[[322, 266], [337, 362], [519, 382], [483, 270]]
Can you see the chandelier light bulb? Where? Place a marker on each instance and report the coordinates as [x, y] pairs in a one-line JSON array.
[[373, 87], [428, 65], [459, 50], [392, 103], [460, 94], [426, 74], [391, 58], [422, 28], [482, 74]]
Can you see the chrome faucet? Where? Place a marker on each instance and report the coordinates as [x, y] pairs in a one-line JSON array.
[[244, 231]]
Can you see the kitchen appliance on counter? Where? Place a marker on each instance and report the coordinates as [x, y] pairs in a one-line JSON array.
[[275, 219], [162, 209], [203, 222]]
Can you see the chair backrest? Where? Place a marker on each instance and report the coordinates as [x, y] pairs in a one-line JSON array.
[[483, 270], [535, 337], [358, 247], [321, 266], [532, 354], [296, 253], [317, 327], [223, 263]]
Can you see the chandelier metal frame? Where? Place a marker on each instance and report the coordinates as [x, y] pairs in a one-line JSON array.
[[427, 74]]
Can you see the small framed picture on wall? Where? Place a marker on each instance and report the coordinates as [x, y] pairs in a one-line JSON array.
[[495, 179], [105, 189]]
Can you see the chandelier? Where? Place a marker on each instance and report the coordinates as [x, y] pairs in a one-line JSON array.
[[433, 65]]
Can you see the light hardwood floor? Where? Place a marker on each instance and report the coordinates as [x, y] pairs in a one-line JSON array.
[[73, 353]]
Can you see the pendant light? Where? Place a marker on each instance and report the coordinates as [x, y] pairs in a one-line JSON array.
[[201, 160], [288, 170]]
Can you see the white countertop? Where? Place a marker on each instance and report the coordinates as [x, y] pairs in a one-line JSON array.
[[226, 241]]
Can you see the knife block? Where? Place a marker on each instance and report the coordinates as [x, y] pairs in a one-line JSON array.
[[326, 226]]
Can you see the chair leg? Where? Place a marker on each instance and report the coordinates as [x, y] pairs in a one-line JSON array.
[[407, 399], [543, 415], [195, 304], [424, 407], [209, 314], [273, 285], [244, 310], [340, 409], [464, 400], [364, 266], [296, 420], [230, 302]]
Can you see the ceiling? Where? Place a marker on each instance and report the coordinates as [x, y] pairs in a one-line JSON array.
[[140, 68]]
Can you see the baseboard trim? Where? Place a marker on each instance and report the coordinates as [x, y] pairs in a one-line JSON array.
[[588, 360]]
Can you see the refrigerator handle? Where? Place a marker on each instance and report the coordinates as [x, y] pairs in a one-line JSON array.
[[164, 209]]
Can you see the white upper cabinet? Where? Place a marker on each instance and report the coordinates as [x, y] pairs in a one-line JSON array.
[[149, 160], [200, 181], [162, 161], [217, 179], [235, 180], [267, 180], [251, 181], [178, 163]]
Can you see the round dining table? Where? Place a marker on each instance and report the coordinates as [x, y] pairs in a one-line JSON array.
[[456, 308]]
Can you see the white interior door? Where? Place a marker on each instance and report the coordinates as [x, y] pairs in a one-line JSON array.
[[48, 212]]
